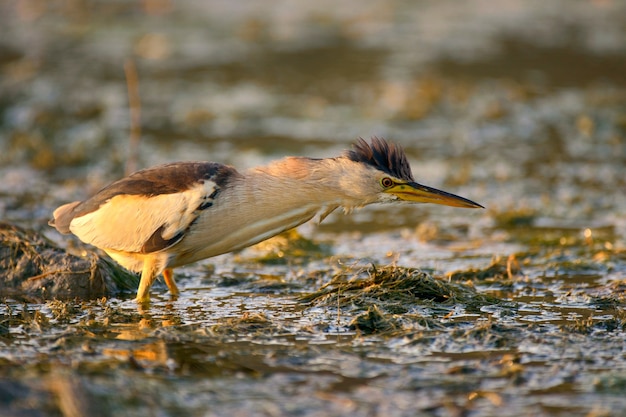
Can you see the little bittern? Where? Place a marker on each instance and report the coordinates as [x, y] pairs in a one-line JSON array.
[[171, 215]]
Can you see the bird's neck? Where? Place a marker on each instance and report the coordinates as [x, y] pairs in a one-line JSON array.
[[297, 181], [262, 202]]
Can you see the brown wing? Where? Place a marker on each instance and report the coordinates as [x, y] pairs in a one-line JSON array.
[[147, 211]]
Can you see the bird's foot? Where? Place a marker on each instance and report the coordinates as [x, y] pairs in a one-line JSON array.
[[168, 277], [143, 299]]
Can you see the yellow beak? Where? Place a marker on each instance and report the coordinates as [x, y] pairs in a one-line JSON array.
[[418, 193]]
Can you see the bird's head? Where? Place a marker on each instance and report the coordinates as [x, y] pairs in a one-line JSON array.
[[385, 175]]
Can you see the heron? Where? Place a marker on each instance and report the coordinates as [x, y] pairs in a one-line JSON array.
[[171, 215]]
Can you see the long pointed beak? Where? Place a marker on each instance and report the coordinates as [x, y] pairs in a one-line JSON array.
[[418, 193]]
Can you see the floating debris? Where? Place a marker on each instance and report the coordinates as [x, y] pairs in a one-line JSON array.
[[501, 269]]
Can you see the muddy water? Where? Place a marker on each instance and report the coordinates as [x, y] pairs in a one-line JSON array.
[[521, 107]]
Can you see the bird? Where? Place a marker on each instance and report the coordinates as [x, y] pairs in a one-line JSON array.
[[171, 215]]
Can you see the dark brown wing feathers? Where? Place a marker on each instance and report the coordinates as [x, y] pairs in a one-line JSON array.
[[164, 179]]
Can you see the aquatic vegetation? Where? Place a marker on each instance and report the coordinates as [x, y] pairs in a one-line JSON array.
[[391, 287]]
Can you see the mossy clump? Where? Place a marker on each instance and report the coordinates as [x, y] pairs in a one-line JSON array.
[[290, 247], [390, 288], [32, 268], [257, 324], [500, 269], [488, 333], [374, 321]]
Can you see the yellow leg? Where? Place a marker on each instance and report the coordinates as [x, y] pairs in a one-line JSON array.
[[148, 274], [168, 276]]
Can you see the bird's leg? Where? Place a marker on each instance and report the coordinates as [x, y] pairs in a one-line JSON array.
[[168, 277], [148, 275]]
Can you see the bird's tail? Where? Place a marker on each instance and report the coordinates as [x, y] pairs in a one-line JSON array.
[[63, 216]]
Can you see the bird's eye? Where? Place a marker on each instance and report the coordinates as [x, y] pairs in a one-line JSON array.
[[386, 182]]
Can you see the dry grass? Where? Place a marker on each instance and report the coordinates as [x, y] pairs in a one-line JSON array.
[[393, 288]]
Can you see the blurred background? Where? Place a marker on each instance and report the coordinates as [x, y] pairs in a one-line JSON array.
[[515, 104]]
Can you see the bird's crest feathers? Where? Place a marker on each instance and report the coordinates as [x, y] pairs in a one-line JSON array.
[[382, 155]]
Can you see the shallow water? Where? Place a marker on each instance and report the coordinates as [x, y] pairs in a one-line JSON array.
[[520, 107]]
